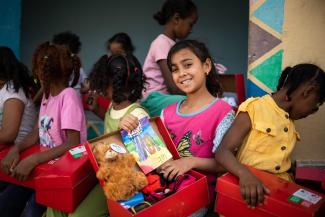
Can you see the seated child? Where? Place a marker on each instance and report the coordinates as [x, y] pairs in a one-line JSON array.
[[264, 132]]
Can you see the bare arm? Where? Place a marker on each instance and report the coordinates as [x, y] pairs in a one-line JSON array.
[[25, 166], [171, 86], [12, 114], [10, 161], [232, 140], [251, 188]]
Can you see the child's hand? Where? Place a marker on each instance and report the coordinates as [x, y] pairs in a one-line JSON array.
[[252, 189], [10, 161], [128, 123], [174, 168], [24, 167]]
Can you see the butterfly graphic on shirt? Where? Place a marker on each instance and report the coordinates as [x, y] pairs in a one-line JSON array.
[[184, 144], [197, 138]]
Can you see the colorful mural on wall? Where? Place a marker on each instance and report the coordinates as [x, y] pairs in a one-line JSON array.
[[265, 50]]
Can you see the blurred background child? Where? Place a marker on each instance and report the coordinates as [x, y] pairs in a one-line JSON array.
[[178, 18], [17, 111], [61, 125]]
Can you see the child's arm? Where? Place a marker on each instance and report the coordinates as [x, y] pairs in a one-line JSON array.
[[171, 86], [172, 169], [12, 114], [26, 165], [10, 161], [251, 188]]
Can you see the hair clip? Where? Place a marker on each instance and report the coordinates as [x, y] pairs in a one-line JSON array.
[[45, 56], [136, 69], [72, 54]]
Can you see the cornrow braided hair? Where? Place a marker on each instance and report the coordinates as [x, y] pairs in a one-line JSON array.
[[292, 77], [52, 63]]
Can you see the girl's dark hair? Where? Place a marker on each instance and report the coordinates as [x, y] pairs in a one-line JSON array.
[[292, 77], [123, 39], [121, 71], [68, 39], [12, 70], [201, 51], [184, 8], [53, 63]]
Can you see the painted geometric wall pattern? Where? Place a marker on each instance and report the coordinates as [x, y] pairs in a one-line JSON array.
[[265, 39], [260, 42]]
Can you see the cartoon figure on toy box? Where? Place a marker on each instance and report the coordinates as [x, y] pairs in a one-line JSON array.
[[148, 149]]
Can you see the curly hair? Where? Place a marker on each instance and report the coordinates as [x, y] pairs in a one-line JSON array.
[[201, 51], [69, 39], [123, 73], [12, 70], [52, 63]]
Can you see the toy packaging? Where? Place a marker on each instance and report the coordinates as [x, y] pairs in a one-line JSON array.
[[148, 149]]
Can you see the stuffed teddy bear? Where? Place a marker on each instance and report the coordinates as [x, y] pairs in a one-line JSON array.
[[118, 170]]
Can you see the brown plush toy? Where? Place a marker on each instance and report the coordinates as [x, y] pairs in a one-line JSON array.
[[122, 180]]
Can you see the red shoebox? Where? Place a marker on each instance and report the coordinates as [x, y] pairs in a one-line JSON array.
[[284, 200], [66, 184], [180, 204], [61, 184], [36, 172], [311, 170]]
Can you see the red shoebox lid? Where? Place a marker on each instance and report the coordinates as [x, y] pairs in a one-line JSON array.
[[66, 184], [180, 204], [285, 199], [311, 170], [66, 173], [36, 171]]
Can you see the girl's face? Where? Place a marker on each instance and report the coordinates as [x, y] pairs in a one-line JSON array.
[[188, 72], [307, 104], [184, 26], [116, 48]]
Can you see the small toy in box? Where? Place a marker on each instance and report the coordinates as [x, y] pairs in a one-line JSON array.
[[180, 203], [117, 169], [148, 149]]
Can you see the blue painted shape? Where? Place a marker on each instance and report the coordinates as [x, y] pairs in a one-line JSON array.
[[271, 13], [10, 15], [253, 90]]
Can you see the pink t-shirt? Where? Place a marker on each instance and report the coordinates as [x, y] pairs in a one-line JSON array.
[[200, 133], [59, 113], [159, 49]]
